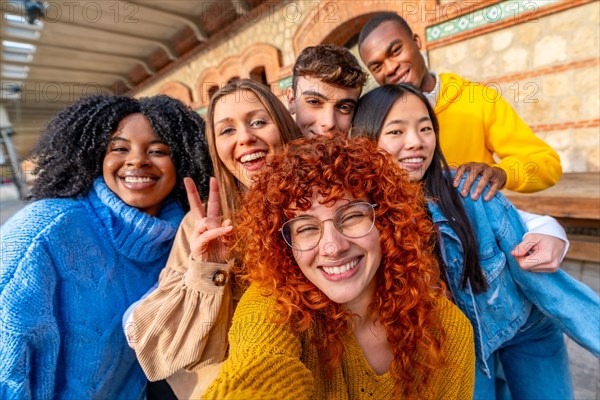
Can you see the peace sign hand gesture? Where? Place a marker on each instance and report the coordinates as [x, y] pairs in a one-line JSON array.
[[206, 241]]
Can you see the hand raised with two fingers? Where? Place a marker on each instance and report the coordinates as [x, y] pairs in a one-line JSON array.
[[206, 241]]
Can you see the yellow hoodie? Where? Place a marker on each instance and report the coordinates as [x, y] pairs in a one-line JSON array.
[[476, 122]]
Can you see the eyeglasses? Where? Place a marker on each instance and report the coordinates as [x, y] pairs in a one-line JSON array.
[[353, 220]]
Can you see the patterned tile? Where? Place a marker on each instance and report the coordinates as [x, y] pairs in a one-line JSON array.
[[515, 9], [285, 83]]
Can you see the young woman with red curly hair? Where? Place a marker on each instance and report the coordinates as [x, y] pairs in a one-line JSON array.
[[345, 299]]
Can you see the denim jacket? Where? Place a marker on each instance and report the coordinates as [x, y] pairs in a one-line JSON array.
[[498, 313]]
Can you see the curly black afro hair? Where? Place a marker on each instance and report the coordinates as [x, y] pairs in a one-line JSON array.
[[69, 154]]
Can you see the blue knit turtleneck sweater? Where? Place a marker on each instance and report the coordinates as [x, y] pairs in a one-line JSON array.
[[69, 270]]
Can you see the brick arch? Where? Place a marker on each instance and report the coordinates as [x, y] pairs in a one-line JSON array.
[[177, 90], [330, 23], [206, 81], [240, 66], [347, 30], [262, 55], [231, 67]]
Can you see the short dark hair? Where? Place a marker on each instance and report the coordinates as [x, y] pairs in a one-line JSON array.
[[70, 152], [379, 19], [330, 63]]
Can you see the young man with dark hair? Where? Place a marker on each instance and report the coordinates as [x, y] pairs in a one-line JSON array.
[[326, 84], [475, 122]]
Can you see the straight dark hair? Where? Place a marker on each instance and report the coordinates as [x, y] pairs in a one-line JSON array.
[[372, 110]]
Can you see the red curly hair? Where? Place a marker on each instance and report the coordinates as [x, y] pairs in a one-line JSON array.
[[407, 282]]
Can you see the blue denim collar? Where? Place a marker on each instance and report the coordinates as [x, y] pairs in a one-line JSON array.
[[437, 215]]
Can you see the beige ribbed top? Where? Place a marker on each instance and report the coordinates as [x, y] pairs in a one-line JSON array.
[[183, 324]]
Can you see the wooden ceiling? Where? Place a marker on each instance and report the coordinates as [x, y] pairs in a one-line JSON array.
[[78, 48]]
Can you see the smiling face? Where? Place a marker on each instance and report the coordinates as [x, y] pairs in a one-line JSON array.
[[245, 134], [341, 267], [321, 108], [137, 166], [408, 134], [393, 56]]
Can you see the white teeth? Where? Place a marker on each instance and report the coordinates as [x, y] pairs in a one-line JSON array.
[[341, 269], [253, 156], [413, 160], [137, 179]]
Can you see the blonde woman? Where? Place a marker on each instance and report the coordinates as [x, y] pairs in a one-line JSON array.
[[182, 325]]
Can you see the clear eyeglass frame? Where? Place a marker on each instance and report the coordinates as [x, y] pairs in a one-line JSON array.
[[285, 227]]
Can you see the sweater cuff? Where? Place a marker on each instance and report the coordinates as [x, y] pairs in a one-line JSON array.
[[206, 276]]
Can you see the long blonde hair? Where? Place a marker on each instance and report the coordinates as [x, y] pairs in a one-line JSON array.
[[230, 189]]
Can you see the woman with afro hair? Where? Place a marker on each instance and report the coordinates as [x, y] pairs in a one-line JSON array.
[[345, 300], [109, 196]]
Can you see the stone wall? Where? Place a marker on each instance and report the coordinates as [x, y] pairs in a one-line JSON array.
[[545, 62], [288, 28], [549, 70]]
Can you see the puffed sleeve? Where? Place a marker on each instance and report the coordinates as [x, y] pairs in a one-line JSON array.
[[264, 357], [530, 163], [184, 322]]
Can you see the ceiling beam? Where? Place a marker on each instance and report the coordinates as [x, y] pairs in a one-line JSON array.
[[149, 69], [199, 32], [241, 6], [129, 36], [34, 64], [82, 70], [65, 83], [171, 53]]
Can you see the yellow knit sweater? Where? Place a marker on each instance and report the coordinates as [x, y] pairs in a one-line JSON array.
[[269, 361]]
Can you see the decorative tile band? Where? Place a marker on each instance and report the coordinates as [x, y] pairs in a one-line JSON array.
[[516, 9], [285, 83]]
